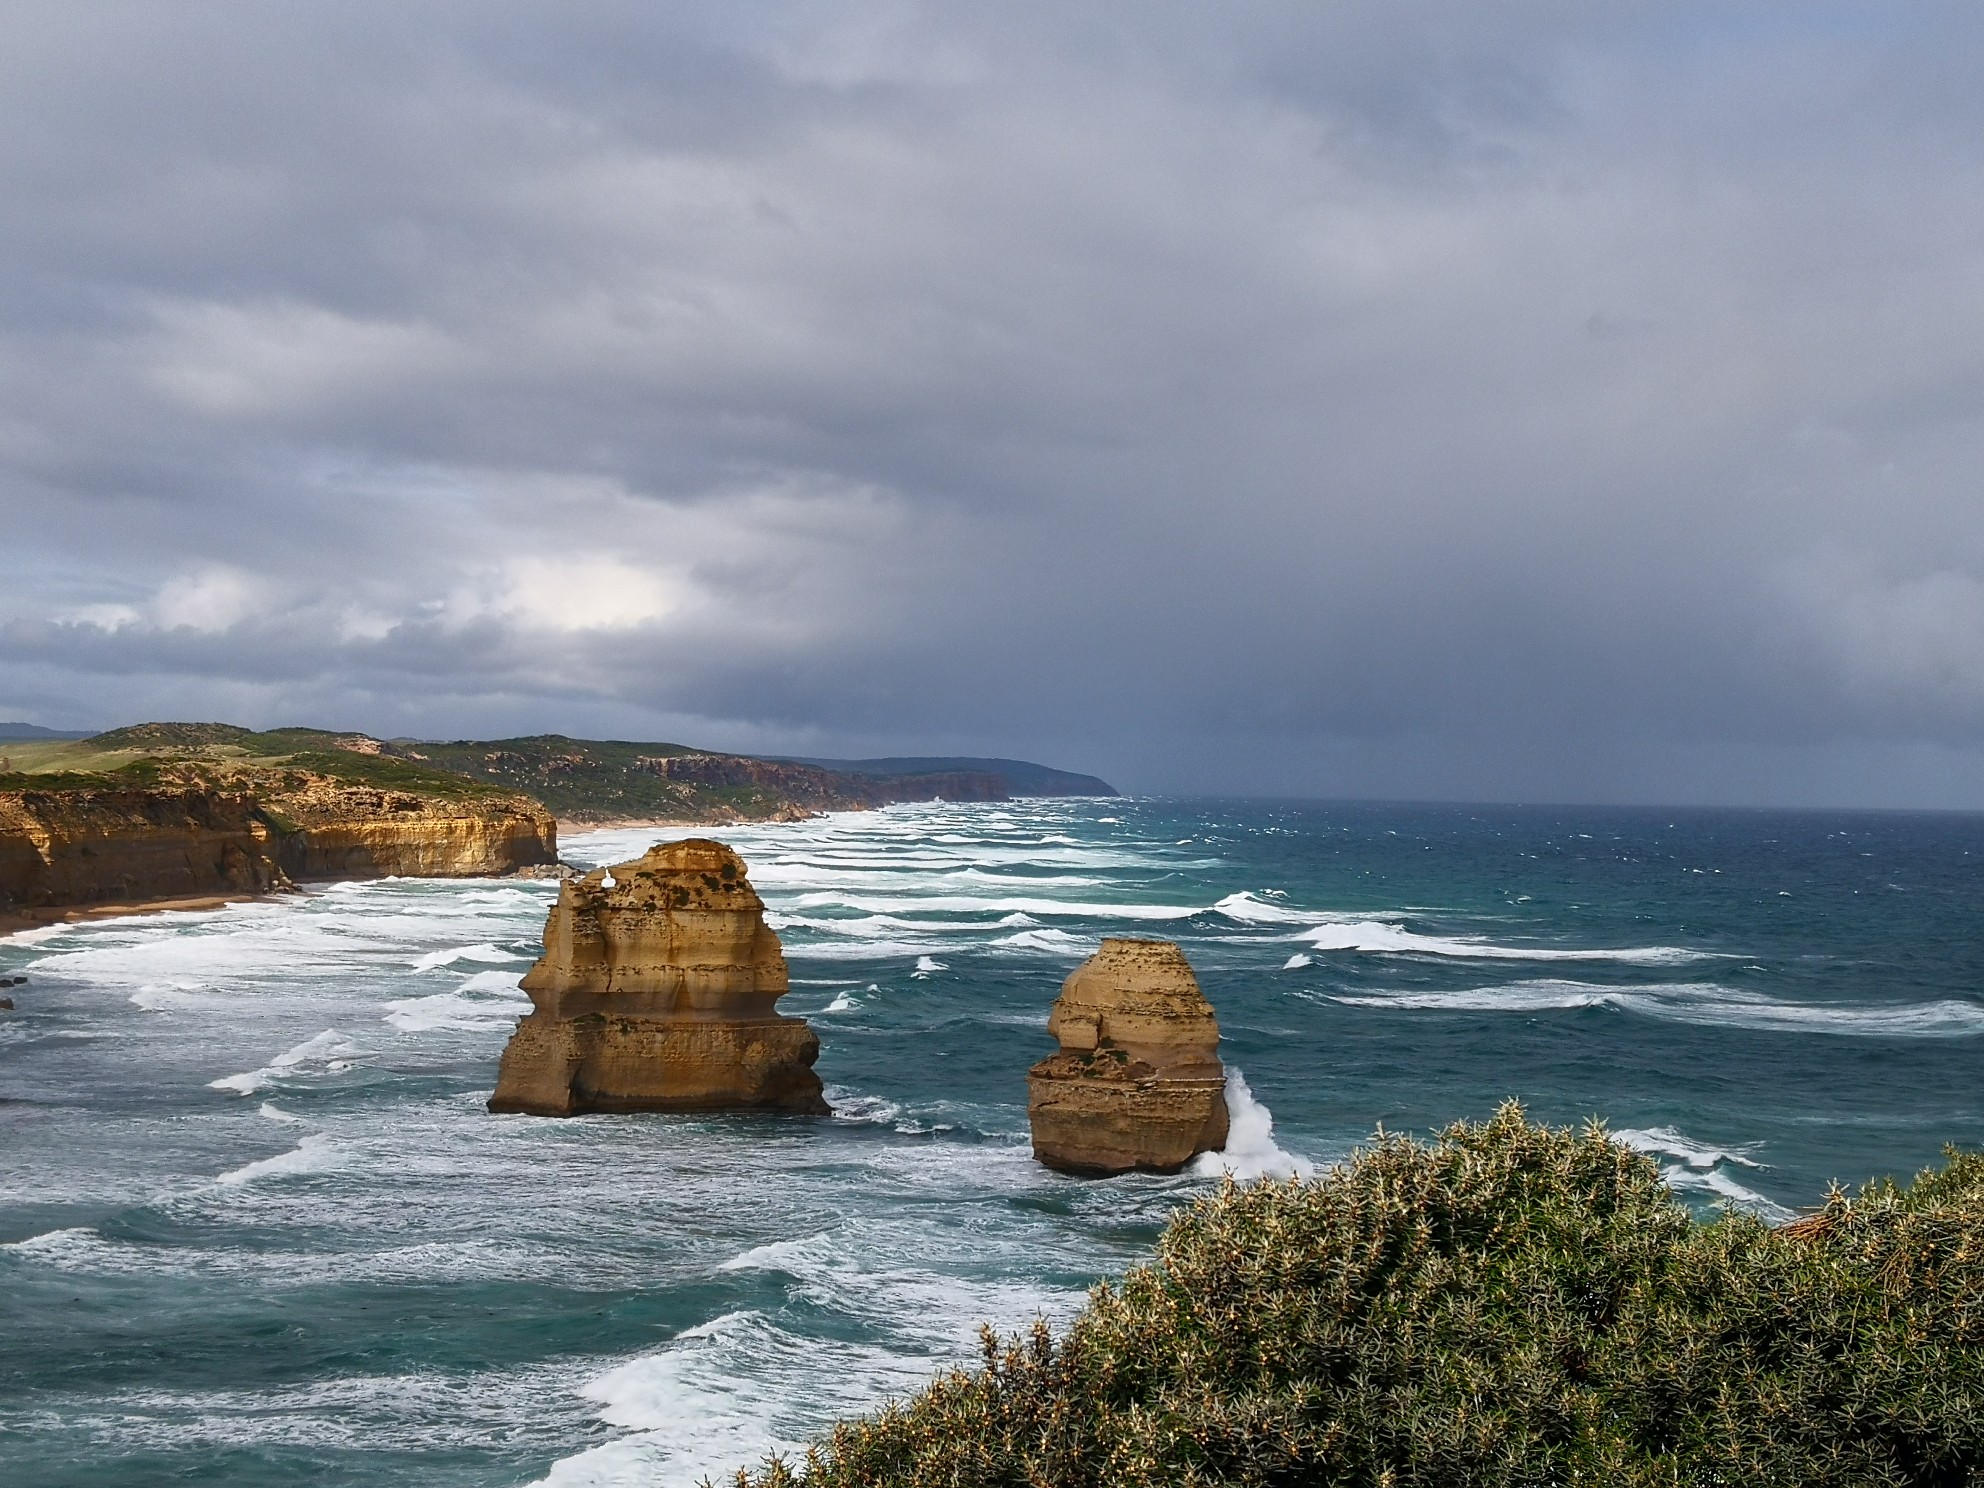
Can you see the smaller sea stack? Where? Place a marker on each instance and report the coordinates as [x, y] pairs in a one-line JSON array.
[[655, 993], [1137, 1084]]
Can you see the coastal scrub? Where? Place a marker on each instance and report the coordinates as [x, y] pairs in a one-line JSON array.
[[1507, 1305]]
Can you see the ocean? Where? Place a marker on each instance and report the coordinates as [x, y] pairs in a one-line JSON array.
[[256, 1227]]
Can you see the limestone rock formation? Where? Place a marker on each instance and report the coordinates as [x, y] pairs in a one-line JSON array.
[[656, 992], [65, 849], [83, 847], [357, 831], [1137, 1084]]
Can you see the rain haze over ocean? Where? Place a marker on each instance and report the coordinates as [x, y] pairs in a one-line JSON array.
[[1305, 417], [1542, 402]]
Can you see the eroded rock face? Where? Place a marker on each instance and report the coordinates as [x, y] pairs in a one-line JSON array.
[[1137, 1084], [74, 848], [360, 832], [86, 847], [656, 992]]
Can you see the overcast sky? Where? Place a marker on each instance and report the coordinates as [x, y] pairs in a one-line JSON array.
[[1515, 401]]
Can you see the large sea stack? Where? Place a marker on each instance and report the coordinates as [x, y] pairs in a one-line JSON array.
[[1137, 1084], [655, 993]]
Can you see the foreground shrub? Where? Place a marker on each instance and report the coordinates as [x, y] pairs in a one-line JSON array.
[[1510, 1305]]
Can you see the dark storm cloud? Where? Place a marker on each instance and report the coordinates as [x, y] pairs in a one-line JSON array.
[[1539, 400]]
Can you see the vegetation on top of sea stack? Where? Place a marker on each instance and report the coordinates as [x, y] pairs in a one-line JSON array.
[[1509, 1305]]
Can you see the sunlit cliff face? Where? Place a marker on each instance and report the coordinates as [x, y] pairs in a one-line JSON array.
[[1566, 402]]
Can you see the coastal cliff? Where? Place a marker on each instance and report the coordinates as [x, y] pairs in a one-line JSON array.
[[657, 992], [196, 826], [67, 848], [346, 831], [596, 780], [1137, 1084], [192, 811]]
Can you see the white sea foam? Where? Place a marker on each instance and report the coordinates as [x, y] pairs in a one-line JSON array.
[[725, 1392], [434, 960], [1699, 1168], [1297, 961], [329, 1048], [1249, 909], [843, 1003], [974, 904], [777, 1255], [1709, 1003], [505, 898], [1053, 942], [65, 1248], [1250, 1151], [314, 1154], [275, 1113], [486, 1001], [1715, 1181], [501, 984], [860, 950], [179, 997], [449, 1010], [40, 935], [246, 1083], [697, 1407], [925, 965], [862, 1110], [1665, 1141], [1383, 937], [329, 1052]]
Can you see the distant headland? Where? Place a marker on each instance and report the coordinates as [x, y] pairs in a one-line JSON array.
[[162, 814]]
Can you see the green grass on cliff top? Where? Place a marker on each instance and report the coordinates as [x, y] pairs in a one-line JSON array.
[[149, 756], [1509, 1306], [571, 777]]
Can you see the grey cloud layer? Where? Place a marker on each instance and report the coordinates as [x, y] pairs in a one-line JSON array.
[[1548, 400]]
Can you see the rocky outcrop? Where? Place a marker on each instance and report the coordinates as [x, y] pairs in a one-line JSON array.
[[70, 849], [1137, 1084], [354, 831], [64, 848], [657, 992]]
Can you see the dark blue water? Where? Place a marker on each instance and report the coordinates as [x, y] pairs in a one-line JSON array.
[[258, 1228]]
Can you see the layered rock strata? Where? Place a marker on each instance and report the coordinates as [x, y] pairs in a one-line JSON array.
[[59, 849], [70, 849], [338, 830], [1137, 1084], [657, 992]]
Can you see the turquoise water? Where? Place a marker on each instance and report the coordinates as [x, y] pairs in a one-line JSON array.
[[256, 1227]]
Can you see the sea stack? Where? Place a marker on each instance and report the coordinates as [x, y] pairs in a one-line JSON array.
[[655, 993], [1137, 1084]]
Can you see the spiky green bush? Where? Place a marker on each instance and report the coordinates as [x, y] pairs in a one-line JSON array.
[[1509, 1305]]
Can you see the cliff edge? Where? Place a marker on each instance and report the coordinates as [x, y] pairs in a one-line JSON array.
[[146, 815]]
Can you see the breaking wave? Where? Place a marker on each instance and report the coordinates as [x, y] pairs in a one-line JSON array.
[[1709, 1003], [1698, 1168], [1251, 1150], [314, 1154], [1381, 937], [329, 1052]]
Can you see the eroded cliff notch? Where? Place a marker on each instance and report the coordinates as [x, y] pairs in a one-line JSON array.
[[1137, 1083], [656, 992]]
